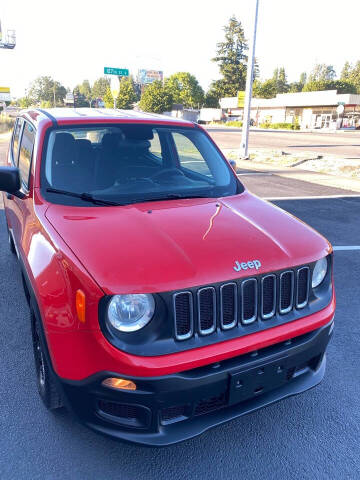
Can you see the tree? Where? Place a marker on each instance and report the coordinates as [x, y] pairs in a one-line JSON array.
[[80, 100], [346, 71], [127, 95], [298, 86], [100, 87], [211, 100], [295, 87], [218, 89], [271, 87], [232, 59], [85, 91], [185, 89], [341, 86], [303, 77], [351, 74], [322, 73], [266, 89], [24, 102], [156, 98], [281, 80], [108, 99], [45, 89]]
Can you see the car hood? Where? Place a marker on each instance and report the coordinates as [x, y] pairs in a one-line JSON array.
[[176, 244]]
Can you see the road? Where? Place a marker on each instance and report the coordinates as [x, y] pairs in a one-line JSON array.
[[312, 436], [3, 148], [346, 144]]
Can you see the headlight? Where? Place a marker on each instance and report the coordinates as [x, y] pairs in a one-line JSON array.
[[319, 272], [128, 313]]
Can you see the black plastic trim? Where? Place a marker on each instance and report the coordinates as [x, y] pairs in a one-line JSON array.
[[300, 362]]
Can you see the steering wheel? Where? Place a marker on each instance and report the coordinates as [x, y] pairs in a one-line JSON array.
[[168, 171]]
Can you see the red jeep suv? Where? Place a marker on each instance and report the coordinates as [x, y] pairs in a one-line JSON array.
[[165, 298]]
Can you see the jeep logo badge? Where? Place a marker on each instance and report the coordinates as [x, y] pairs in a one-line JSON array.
[[245, 265]]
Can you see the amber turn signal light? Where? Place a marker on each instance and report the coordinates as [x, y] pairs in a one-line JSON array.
[[119, 383], [80, 305]]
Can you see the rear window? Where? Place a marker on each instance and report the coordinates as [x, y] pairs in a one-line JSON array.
[[133, 163]]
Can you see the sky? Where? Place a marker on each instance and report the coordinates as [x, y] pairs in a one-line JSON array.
[[74, 40]]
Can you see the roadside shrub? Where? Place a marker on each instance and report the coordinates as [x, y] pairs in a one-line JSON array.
[[234, 123], [281, 126], [6, 123]]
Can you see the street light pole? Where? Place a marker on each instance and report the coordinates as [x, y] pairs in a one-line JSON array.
[[248, 94]]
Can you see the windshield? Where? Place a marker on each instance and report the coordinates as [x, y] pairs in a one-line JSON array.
[[133, 163]]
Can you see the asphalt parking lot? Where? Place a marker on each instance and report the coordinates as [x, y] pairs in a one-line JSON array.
[[311, 436]]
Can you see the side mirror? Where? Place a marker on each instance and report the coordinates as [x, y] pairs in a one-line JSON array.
[[233, 165], [9, 179]]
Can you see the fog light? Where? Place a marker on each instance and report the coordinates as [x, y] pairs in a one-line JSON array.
[[119, 384]]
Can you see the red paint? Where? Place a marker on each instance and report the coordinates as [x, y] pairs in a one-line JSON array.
[[188, 242], [83, 360]]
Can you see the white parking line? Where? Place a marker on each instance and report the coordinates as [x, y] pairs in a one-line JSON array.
[[311, 197], [347, 247], [264, 174]]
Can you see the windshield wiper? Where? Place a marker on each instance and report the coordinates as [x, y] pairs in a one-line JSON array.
[[170, 196], [84, 196]]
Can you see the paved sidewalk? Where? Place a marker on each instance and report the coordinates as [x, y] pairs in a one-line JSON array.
[[334, 185]]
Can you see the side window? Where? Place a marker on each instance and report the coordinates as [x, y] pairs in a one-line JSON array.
[[155, 147], [26, 149], [16, 139], [189, 155]]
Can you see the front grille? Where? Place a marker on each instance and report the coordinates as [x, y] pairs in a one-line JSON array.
[[303, 285], [209, 404], [286, 291], [268, 296], [228, 305], [249, 301], [119, 409], [134, 416], [183, 312], [242, 302], [171, 414], [207, 310]]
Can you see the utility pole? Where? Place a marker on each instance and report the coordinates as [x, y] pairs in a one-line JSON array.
[[248, 94]]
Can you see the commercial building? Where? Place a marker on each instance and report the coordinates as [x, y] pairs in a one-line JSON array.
[[323, 109], [5, 97]]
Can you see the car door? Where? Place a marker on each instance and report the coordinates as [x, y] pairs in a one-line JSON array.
[[22, 205]]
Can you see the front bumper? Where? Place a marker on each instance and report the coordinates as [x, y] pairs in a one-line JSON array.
[[172, 408]]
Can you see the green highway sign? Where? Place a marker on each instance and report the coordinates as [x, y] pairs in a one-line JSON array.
[[120, 72]]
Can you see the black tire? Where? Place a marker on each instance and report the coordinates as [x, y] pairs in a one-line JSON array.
[[47, 387], [10, 240]]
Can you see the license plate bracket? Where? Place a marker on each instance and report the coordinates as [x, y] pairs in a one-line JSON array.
[[256, 381]]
